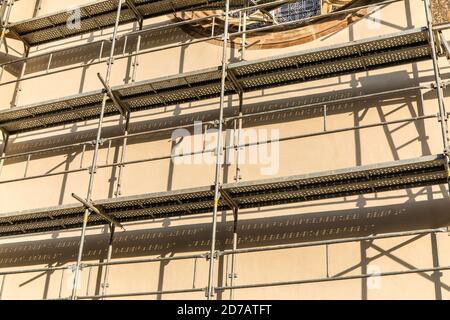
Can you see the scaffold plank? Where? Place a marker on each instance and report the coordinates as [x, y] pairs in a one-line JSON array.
[[423, 171], [402, 47], [102, 14]]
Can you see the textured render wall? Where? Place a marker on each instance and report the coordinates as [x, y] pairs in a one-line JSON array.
[[341, 217], [440, 11]]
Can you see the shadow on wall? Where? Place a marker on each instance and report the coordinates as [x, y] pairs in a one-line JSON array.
[[401, 78], [91, 51], [284, 229], [252, 233]]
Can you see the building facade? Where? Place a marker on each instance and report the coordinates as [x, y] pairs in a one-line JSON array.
[[332, 178]]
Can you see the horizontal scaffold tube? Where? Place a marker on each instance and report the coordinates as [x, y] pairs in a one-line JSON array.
[[238, 251], [178, 24], [227, 119], [294, 137]]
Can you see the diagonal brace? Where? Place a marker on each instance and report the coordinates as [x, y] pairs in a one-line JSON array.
[[124, 110], [234, 80], [90, 206], [229, 200], [136, 12]]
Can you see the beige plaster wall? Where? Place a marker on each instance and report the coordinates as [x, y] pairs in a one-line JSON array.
[[342, 217]]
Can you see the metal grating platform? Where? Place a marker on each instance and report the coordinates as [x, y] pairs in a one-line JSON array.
[[102, 14], [403, 47], [428, 170]]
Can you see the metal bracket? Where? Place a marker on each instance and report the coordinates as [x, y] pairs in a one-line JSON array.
[[136, 12], [207, 294], [234, 80], [91, 206], [444, 117], [124, 110], [16, 35], [5, 133], [208, 255], [228, 199], [444, 44]]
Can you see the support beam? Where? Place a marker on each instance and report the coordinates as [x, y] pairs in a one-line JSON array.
[[233, 274], [91, 206], [37, 8], [238, 143], [6, 13], [18, 89], [123, 109], [234, 80], [229, 200], [136, 13]]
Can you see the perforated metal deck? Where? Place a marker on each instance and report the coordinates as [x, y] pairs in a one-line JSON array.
[[102, 14], [403, 47], [429, 170]]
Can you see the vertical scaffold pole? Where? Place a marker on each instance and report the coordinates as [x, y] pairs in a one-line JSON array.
[[118, 191], [237, 178], [244, 34], [37, 8], [93, 168], [440, 94], [5, 136], [105, 284], [5, 14], [210, 288], [18, 90]]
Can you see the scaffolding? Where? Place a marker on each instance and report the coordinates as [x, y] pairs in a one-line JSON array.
[[235, 78]]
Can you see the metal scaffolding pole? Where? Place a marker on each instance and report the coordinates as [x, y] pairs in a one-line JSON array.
[[18, 88], [440, 95], [118, 191], [105, 283], [6, 13], [210, 290], [5, 136], [237, 178], [93, 168]]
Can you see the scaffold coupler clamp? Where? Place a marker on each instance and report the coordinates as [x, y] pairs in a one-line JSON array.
[[217, 122], [444, 117], [208, 255], [447, 163], [207, 292], [73, 267]]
